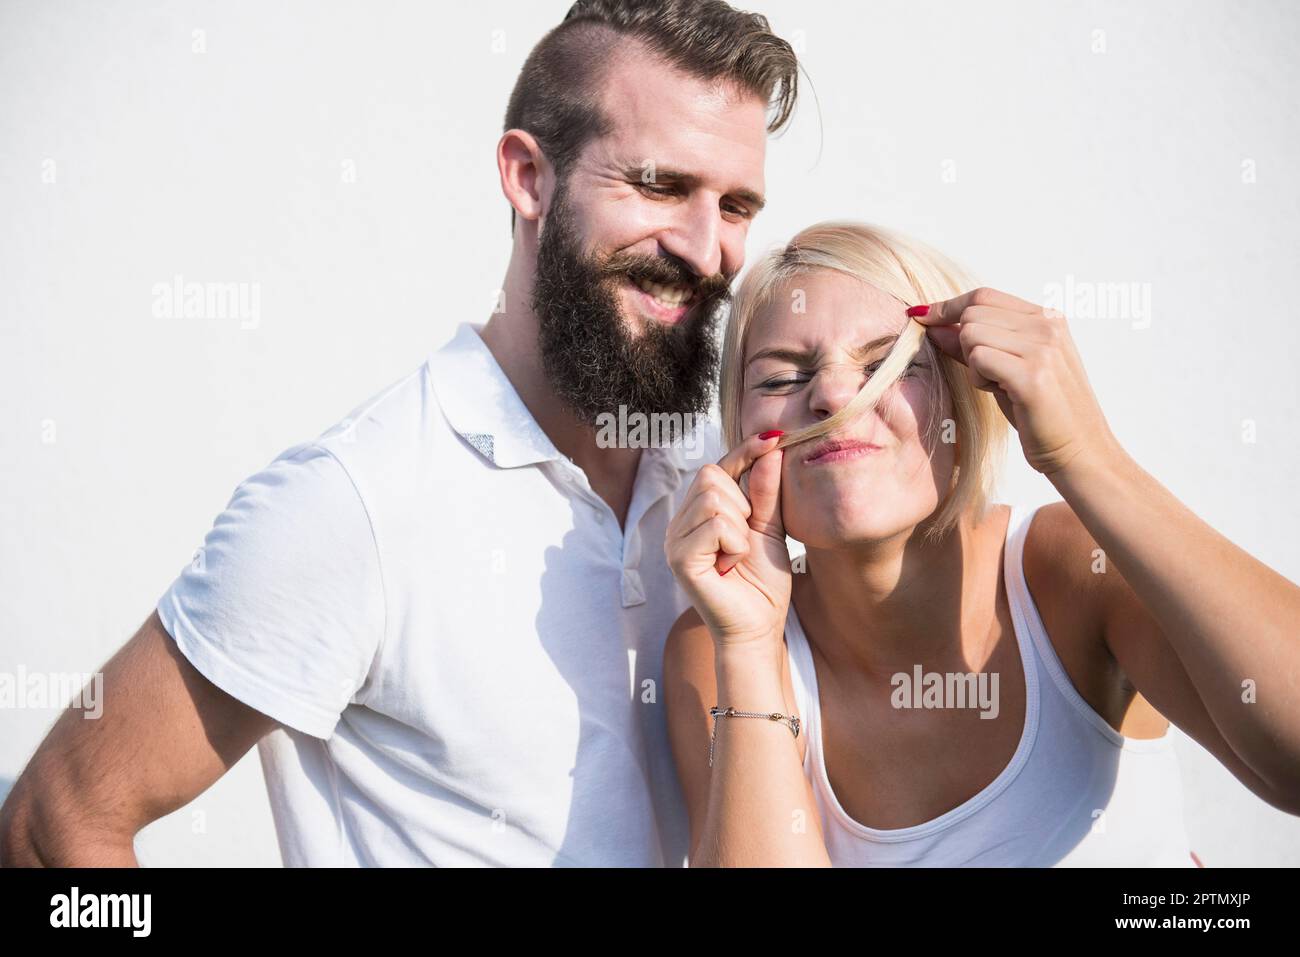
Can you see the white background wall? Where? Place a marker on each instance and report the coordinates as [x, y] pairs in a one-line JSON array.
[[1095, 142]]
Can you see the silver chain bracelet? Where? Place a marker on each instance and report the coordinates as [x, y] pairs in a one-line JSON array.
[[788, 720]]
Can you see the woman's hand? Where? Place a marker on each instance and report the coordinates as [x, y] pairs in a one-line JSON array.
[[1026, 357], [728, 551]]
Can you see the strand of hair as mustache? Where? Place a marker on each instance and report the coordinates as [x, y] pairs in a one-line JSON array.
[[906, 347]]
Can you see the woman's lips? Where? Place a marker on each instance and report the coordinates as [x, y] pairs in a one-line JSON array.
[[842, 450]]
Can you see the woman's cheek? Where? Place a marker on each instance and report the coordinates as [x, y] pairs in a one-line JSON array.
[[799, 516], [761, 414], [749, 414]]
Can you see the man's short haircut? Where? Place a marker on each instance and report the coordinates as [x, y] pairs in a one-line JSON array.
[[557, 95]]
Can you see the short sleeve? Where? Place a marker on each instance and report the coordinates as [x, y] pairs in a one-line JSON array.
[[283, 605]]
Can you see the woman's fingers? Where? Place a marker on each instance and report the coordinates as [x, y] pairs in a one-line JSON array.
[[993, 370], [723, 478], [949, 311], [988, 308], [714, 498], [711, 478], [717, 534], [1025, 357], [716, 513], [765, 495], [737, 462], [712, 493], [947, 340], [958, 341], [1028, 324], [704, 507]]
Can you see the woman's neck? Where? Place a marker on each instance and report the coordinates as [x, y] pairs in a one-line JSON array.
[[887, 606]]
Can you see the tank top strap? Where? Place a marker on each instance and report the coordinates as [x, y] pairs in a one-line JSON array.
[[1047, 662], [1029, 815], [803, 677], [1023, 611], [1030, 634]]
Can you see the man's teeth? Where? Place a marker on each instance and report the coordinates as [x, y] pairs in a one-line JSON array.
[[668, 296]]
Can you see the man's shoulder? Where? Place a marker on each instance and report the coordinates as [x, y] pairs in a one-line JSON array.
[[452, 415], [398, 431], [330, 474], [383, 416]]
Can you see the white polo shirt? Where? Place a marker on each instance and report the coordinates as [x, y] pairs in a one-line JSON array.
[[462, 646]]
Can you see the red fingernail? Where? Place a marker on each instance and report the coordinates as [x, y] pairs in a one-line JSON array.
[[918, 310], [770, 435]]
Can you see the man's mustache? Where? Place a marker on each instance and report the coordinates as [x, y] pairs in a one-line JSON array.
[[667, 271]]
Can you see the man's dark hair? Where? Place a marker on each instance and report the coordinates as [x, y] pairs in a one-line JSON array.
[[557, 95]]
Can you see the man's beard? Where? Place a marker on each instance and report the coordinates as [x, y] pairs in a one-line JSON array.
[[592, 362]]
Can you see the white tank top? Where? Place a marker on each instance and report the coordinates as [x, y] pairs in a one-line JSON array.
[[1076, 792]]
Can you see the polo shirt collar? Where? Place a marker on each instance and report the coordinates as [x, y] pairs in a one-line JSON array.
[[483, 407]]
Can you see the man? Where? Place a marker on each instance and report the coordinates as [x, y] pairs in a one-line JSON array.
[[442, 621]]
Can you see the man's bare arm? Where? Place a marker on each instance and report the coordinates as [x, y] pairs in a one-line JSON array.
[[165, 735]]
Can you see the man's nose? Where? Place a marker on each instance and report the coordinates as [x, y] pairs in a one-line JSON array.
[[694, 237]]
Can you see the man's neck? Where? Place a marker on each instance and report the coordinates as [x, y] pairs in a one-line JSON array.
[[511, 337]]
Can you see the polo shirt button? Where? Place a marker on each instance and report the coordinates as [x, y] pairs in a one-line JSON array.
[[633, 593], [600, 514]]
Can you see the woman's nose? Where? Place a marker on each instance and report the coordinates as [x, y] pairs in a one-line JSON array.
[[834, 388]]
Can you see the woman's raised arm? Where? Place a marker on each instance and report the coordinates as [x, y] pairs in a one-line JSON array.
[[1232, 621], [753, 807]]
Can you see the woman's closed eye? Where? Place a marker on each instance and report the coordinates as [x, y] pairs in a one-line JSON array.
[[773, 384], [910, 370], [789, 381]]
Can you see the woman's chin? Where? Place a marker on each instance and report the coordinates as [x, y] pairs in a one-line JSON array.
[[829, 530], [848, 523]]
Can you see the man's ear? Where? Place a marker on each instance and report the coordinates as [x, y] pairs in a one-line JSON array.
[[525, 172]]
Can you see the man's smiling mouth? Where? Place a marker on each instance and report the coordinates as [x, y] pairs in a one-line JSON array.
[[669, 295]]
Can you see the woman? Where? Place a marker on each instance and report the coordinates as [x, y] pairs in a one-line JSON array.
[[974, 683]]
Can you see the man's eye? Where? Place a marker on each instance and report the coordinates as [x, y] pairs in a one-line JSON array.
[[654, 190], [741, 211]]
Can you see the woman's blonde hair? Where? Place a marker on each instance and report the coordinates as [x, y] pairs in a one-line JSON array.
[[913, 273]]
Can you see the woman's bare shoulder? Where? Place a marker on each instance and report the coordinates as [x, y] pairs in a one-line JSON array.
[[1063, 568], [1072, 582]]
